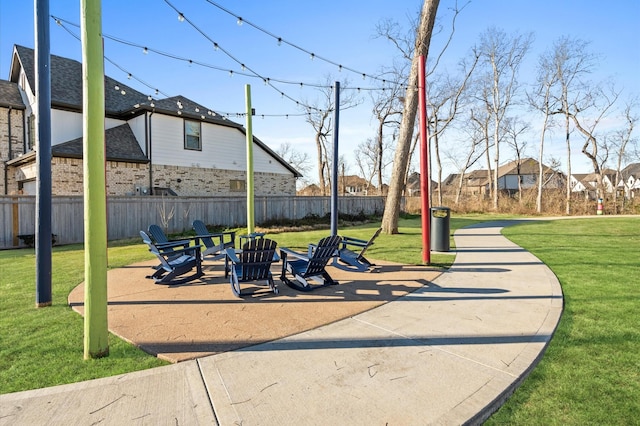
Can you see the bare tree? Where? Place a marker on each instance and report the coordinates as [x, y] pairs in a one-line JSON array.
[[320, 115], [299, 160], [622, 140], [541, 100], [471, 155], [445, 95], [571, 62], [401, 159], [602, 101], [500, 59], [513, 129], [387, 108]]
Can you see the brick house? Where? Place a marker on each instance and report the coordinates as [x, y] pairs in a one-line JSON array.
[[153, 146]]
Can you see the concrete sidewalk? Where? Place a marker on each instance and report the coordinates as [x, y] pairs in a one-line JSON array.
[[448, 353]]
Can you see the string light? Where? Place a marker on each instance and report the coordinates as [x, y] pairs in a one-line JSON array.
[[281, 40], [180, 106], [180, 17]]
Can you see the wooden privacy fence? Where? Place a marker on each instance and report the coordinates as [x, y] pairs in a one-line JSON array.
[[126, 216]]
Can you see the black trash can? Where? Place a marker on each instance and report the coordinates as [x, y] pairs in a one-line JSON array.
[[440, 228]]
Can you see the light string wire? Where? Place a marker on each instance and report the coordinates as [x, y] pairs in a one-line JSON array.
[[280, 40], [182, 17], [61, 22]]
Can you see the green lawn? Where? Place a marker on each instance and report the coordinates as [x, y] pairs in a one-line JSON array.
[[589, 374]]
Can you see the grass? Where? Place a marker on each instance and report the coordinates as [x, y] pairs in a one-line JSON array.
[[44, 347], [590, 373]]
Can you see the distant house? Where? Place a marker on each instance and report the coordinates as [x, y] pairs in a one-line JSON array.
[[512, 177], [630, 180], [153, 146]]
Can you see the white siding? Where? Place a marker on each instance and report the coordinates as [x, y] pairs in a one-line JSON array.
[[67, 126], [137, 127], [222, 148]]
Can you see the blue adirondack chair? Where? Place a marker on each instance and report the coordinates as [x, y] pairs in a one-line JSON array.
[[252, 263], [355, 257], [175, 261], [311, 266], [216, 243]]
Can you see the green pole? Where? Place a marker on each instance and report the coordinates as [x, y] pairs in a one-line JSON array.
[[250, 203], [96, 331]]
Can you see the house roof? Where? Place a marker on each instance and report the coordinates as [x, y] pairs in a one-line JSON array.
[[120, 145], [66, 93], [631, 170], [10, 95]]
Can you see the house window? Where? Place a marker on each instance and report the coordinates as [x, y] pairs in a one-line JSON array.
[[192, 135], [236, 185]]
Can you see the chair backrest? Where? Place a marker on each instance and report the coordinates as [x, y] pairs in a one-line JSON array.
[[370, 242], [157, 234], [325, 250], [153, 249], [201, 229], [256, 258]]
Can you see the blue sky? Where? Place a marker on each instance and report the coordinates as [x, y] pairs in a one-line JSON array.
[[342, 31]]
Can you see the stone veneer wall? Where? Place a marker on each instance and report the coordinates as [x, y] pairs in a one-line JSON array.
[[190, 181], [17, 146], [123, 178]]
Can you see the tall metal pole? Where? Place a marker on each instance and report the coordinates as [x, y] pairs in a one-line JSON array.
[[43, 155], [96, 331], [250, 187], [334, 169], [424, 163]]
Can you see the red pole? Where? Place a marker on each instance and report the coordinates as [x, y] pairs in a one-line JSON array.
[[424, 163]]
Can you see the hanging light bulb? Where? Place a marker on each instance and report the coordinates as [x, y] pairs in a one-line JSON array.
[[123, 92], [239, 22], [136, 106], [202, 117], [152, 105], [157, 91], [149, 98], [197, 109], [215, 46], [242, 67], [313, 56], [364, 76], [339, 68], [230, 73], [129, 76], [179, 112], [180, 17], [145, 51], [116, 87], [279, 41]]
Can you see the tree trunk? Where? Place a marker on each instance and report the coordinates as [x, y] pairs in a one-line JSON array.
[[401, 158]]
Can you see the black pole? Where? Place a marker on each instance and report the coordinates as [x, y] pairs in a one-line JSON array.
[[334, 169], [43, 154]]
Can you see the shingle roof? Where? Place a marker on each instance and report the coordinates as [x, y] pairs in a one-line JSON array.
[[120, 145], [66, 84], [66, 93], [10, 95]]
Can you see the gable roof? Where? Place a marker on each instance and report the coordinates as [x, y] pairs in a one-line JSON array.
[[120, 145], [66, 93], [10, 95]]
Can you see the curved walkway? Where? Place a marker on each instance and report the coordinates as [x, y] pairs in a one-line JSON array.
[[448, 353]]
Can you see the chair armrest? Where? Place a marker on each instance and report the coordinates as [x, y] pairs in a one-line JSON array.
[[231, 255], [285, 252], [172, 244], [182, 250], [354, 242]]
